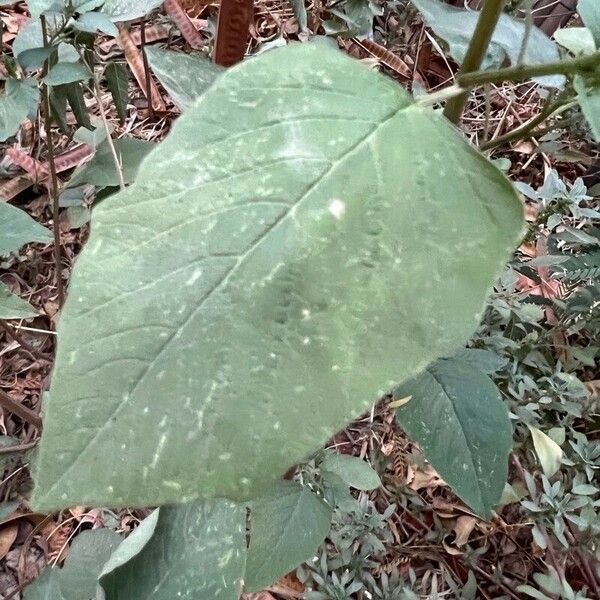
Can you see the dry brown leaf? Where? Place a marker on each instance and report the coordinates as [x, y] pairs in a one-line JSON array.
[[136, 64], [258, 596], [13, 187], [428, 479], [384, 56], [189, 32], [56, 537], [35, 169], [8, 534]]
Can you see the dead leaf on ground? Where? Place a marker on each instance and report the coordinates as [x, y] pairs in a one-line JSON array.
[[427, 479], [8, 534]]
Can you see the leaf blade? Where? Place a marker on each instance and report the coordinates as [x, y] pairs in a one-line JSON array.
[[307, 312], [195, 551], [468, 446], [287, 527], [117, 80]]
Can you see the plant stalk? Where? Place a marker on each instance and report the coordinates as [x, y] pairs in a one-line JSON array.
[[146, 67], [518, 73], [109, 140], [488, 19], [53, 178], [552, 108]]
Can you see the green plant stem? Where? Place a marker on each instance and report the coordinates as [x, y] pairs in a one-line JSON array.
[[518, 73], [53, 178], [109, 140], [527, 129], [488, 19]]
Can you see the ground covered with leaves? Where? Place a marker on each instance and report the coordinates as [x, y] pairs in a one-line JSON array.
[[539, 339]]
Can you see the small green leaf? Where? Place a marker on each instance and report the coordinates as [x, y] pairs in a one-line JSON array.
[[457, 416], [28, 38], [13, 307], [457, 25], [93, 136], [589, 11], [17, 228], [67, 72], [74, 92], [34, 58], [354, 471], [588, 95], [133, 545], [92, 22], [197, 551], [578, 40], [89, 553], [78, 216], [185, 76], [117, 80], [58, 106], [512, 494], [38, 7], [19, 102], [287, 527], [129, 10], [101, 171], [548, 451], [300, 14]]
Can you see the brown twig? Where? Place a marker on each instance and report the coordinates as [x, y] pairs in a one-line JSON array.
[[53, 191], [147, 79], [18, 448], [10, 332], [12, 405]]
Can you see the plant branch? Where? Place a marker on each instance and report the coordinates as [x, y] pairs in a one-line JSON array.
[[109, 140], [147, 79], [53, 188], [526, 130], [18, 447], [583, 64], [11, 333], [14, 406], [488, 19]]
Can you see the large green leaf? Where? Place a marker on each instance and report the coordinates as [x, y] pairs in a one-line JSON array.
[[304, 239], [13, 307], [197, 551], [185, 76], [588, 95], [287, 527], [456, 414], [351, 470], [457, 25], [20, 100], [17, 228]]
